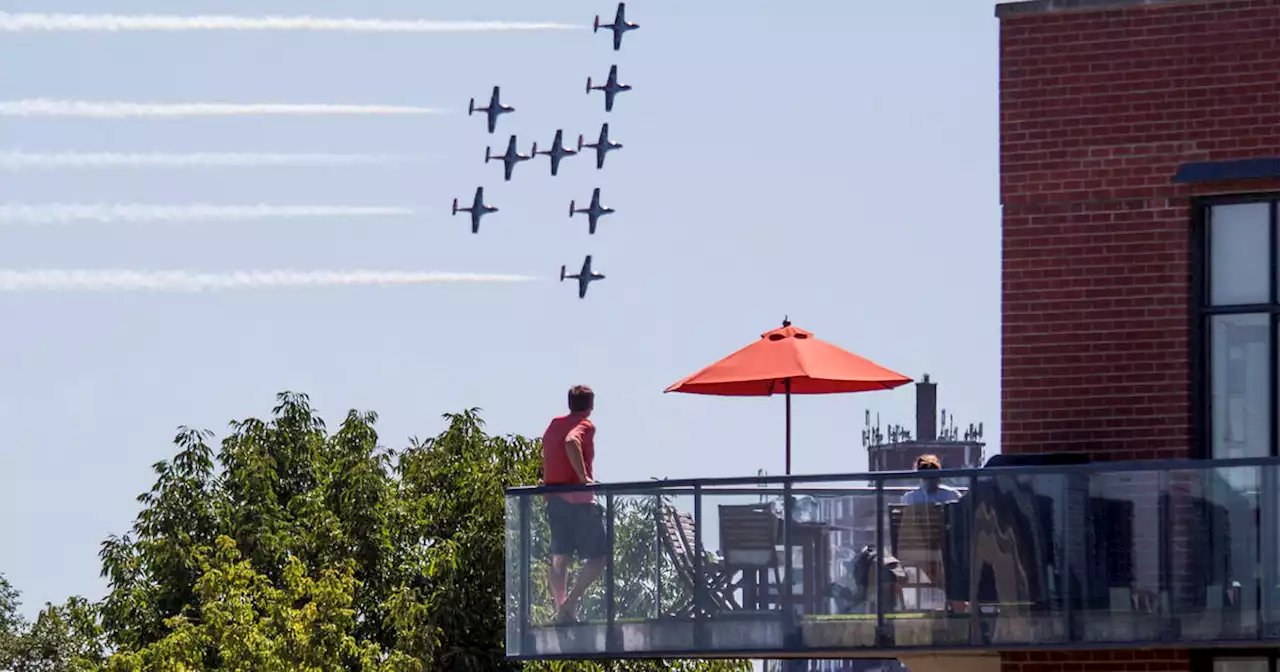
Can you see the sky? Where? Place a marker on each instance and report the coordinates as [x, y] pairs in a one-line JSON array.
[[836, 165]]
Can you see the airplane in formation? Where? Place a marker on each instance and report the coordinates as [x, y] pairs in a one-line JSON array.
[[494, 110], [558, 151], [584, 277], [611, 88], [602, 146], [511, 158], [593, 212], [478, 209], [619, 26]]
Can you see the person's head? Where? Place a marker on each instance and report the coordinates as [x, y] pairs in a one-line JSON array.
[[929, 462], [581, 399]]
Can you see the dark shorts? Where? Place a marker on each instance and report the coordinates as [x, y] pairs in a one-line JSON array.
[[577, 529]]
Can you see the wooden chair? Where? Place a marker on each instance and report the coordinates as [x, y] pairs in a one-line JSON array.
[[679, 539], [749, 542], [918, 535]]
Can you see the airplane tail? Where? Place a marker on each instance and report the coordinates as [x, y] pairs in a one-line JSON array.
[[535, 149], [579, 142], [562, 274], [471, 107], [588, 85], [455, 206], [571, 208], [487, 154], [596, 27]]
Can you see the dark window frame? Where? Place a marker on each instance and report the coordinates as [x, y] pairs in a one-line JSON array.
[[1202, 314]]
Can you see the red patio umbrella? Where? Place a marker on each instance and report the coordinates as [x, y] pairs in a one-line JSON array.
[[789, 360]]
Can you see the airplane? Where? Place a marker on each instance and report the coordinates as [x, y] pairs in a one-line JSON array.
[[619, 26], [557, 151], [593, 212], [478, 209], [495, 109], [610, 88], [584, 277], [511, 158], [602, 146]]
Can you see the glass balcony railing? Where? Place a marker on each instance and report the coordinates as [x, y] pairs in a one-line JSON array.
[[1106, 554]]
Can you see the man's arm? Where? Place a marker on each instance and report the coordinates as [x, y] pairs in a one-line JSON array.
[[573, 447]]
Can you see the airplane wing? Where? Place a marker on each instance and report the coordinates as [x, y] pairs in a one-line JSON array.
[[613, 75], [506, 170], [621, 18], [493, 100], [591, 227], [608, 100], [617, 36], [475, 222], [599, 158], [493, 120], [582, 288]]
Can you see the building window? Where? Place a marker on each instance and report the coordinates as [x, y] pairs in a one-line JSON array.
[[1239, 308], [1209, 660]]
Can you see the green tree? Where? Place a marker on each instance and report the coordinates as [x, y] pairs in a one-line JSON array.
[[64, 638], [296, 548]]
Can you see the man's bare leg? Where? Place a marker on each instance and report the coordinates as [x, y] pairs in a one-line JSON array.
[[591, 570], [558, 577]]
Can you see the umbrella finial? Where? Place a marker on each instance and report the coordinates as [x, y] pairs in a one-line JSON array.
[[785, 321]]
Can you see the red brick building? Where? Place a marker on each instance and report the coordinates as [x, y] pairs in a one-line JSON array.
[[1139, 175]]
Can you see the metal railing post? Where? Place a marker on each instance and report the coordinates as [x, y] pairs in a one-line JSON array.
[[882, 591], [786, 598], [610, 609], [527, 641], [699, 573]]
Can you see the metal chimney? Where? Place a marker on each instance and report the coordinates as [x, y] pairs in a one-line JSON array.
[[926, 410]]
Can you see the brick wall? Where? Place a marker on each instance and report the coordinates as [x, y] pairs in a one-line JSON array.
[[1128, 660], [1097, 109]]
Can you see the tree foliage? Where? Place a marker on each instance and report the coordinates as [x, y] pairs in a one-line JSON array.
[[293, 548]]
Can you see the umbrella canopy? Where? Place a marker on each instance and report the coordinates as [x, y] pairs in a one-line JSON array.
[[789, 361]]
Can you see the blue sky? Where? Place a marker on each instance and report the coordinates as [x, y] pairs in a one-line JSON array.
[[838, 165]]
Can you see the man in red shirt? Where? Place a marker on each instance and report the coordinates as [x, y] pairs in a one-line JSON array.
[[576, 519]]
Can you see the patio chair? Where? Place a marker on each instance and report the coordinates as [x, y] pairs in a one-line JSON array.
[[679, 539]]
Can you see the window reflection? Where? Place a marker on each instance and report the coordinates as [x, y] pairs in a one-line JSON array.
[[1240, 254], [1240, 665], [1240, 370]]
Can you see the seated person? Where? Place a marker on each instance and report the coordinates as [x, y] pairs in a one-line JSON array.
[[931, 491]]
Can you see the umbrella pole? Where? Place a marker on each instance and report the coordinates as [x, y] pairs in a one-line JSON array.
[[787, 386]]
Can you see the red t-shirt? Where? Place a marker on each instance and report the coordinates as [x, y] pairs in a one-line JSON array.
[[556, 468]]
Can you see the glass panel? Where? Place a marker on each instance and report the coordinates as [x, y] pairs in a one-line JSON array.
[[741, 531], [653, 574], [1240, 665], [514, 574], [1240, 254], [1120, 591], [926, 527], [1211, 520], [833, 530], [1241, 386]]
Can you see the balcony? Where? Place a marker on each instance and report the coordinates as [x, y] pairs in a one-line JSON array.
[[1099, 555]]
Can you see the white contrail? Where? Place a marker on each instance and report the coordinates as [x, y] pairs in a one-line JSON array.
[[62, 213], [25, 21], [19, 160], [55, 280], [45, 107]]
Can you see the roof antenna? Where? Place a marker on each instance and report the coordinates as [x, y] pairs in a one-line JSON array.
[[785, 321]]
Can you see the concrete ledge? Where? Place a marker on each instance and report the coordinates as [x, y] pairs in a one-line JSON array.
[[1022, 7]]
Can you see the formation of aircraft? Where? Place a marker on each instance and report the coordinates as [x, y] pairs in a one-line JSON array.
[[620, 25], [611, 88], [510, 158], [602, 146], [494, 110], [584, 277], [593, 212], [477, 209], [558, 151]]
